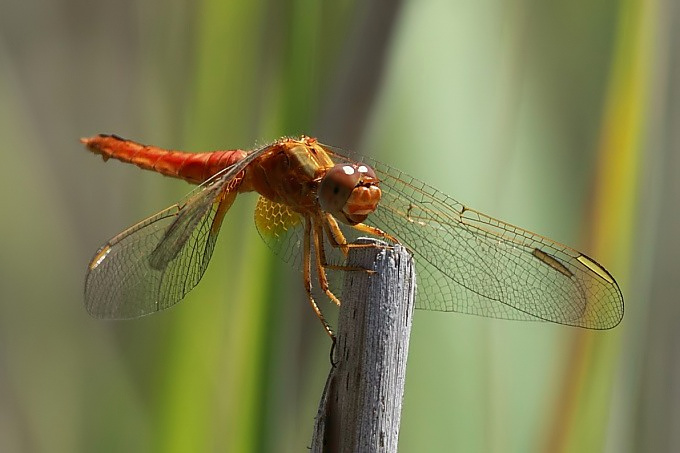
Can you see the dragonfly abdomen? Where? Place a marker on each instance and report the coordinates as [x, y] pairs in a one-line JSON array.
[[192, 167]]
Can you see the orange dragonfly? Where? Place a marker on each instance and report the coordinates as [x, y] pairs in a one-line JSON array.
[[314, 200]]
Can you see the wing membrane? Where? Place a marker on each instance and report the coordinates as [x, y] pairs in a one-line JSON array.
[[155, 263], [281, 229], [472, 263]]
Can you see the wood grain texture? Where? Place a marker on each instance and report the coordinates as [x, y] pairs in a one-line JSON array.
[[360, 409]]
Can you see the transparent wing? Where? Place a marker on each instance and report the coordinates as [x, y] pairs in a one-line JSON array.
[[155, 263], [471, 263], [281, 229]]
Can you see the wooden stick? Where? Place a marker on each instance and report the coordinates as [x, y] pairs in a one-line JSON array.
[[360, 409]]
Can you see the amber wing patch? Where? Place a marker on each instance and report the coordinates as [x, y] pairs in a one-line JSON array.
[[274, 219]]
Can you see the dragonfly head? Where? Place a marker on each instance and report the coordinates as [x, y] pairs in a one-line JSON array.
[[349, 192]]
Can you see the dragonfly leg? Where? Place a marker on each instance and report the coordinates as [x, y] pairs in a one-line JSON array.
[[375, 232], [334, 234], [320, 255], [306, 271], [337, 239]]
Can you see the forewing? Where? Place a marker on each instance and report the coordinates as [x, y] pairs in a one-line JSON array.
[[155, 263], [472, 263]]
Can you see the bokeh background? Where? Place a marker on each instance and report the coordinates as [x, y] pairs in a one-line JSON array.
[[562, 117]]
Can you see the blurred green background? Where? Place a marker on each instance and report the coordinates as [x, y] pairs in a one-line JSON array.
[[561, 117]]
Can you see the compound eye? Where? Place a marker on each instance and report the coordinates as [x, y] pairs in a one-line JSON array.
[[365, 170], [337, 185]]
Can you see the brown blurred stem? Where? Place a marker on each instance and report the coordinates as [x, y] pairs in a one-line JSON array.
[[358, 75]]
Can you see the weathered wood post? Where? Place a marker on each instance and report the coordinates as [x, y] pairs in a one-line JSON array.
[[360, 408]]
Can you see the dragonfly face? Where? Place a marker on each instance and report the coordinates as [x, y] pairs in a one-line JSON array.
[[349, 192]]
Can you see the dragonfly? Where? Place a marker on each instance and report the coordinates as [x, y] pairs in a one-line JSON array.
[[313, 199]]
